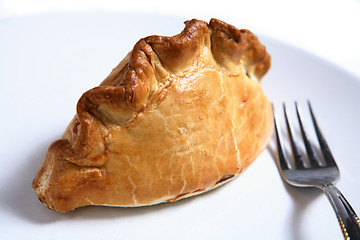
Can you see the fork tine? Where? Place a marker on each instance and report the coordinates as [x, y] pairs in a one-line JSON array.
[[299, 160], [323, 144], [313, 158], [281, 154]]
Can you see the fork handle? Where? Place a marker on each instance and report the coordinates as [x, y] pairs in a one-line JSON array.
[[348, 220]]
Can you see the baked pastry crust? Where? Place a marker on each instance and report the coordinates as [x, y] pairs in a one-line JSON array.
[[178, 116]]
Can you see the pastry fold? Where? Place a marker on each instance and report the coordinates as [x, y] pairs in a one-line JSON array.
[[177, 117]]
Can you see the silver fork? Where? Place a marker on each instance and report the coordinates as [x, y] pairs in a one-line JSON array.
[[319, 175]]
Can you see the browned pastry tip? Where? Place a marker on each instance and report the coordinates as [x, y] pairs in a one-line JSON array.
[[178, 116]]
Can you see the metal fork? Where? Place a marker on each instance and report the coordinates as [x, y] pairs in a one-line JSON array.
[[318, 175]]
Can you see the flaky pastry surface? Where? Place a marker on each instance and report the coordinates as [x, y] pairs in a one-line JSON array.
[[178, 116]]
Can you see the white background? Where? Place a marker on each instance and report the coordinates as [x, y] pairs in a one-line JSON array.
[[43, 73], [328, 28]]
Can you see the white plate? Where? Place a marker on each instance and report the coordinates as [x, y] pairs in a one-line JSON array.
[[47, 62]]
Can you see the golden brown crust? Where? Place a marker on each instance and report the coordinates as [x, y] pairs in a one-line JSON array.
[[177, 117]]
